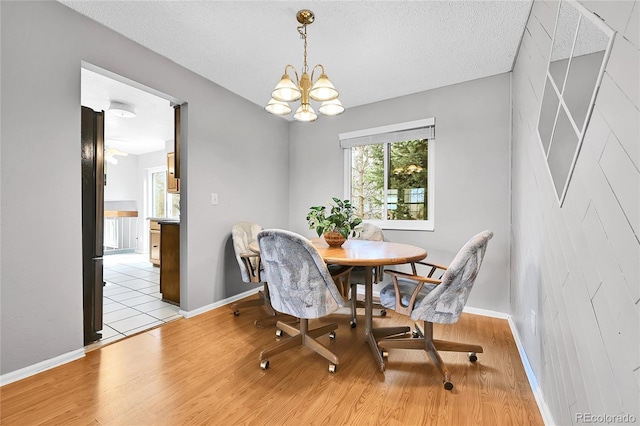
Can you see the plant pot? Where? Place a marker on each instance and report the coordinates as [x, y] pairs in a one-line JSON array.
[[334, 239]]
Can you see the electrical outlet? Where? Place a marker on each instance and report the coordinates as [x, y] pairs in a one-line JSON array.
[[214, 199], [533, 322]]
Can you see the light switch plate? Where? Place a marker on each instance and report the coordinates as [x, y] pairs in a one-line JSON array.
[[214, 199]]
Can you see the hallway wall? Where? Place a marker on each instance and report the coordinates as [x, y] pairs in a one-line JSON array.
[[576, 266], [43, 45]]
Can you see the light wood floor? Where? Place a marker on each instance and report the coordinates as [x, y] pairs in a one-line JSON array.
[[205, 370]]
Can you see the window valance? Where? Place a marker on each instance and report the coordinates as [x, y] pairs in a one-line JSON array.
[[413, 130]]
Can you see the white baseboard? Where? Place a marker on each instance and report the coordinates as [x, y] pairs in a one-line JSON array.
[[547, 417], [47, 364], [79, 353], [467, 309], [485, 312], [228, 300], [545, 412]]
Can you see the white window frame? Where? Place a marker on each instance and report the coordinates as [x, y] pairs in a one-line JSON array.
[[167, 198], [413, 225]]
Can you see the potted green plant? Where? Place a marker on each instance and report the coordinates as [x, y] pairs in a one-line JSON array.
[[337, 224]]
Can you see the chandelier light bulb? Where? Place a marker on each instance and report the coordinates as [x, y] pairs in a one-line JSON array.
[[305, 113]]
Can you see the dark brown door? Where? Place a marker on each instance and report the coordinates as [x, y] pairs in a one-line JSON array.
[[92, 141]]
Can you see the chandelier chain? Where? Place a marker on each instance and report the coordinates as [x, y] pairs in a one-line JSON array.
[[302, 29]]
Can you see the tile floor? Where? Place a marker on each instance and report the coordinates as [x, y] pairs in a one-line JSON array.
[[132, 299]]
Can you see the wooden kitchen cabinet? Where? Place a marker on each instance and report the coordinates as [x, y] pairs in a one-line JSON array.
[[154, 242], [173, 183], [170, 261]]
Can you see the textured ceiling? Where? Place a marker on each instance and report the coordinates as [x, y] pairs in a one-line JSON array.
[[146, 132], [372, 51]]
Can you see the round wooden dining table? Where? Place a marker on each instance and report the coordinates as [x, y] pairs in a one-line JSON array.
[[371, 254]]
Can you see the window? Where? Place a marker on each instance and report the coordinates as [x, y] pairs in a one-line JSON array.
[[162, 203], [389, 174]]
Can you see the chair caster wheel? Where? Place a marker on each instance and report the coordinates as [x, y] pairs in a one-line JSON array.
[[333, 368], [353, 324], [236, 313], [332, 335], [385, 354], [473, 357], [448, 385], [264, 364], [278, 333], [383, 313]]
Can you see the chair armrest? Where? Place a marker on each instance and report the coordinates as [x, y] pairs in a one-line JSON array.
[[419, 278], [400, 308], [340, 272], [341, 279], [254, 271], [434, 267]]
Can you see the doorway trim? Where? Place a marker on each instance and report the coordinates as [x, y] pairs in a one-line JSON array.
[[183, 123]]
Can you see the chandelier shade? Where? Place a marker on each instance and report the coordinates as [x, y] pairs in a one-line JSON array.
[[304, 88], [286, 90], [305, 113], [278, 107], [332, 107], [323, 90]]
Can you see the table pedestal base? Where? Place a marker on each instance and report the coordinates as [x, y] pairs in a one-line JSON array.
[[371, 335], [380, 333], [370, 255]]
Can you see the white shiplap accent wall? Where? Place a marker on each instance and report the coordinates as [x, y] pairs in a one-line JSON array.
[[577, 266]]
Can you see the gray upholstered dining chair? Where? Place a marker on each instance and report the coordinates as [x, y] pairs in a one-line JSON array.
[[301, 286], [435, 300], [243, 234], [370, 232]]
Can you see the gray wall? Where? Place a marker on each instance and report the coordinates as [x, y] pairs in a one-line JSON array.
[[121, 185], [577, 266], [43, 44], [122, 179], [472, 172]]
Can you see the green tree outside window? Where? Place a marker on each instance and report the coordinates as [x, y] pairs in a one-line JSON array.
[[406, 185]]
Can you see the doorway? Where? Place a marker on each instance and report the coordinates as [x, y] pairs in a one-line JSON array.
[[137, 137]]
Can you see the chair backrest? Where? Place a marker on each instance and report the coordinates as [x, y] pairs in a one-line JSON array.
[[445, 303], [299, 281], [243, 234], [368, 231]]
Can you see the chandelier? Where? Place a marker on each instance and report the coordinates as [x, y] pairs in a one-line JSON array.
[[304, 88]]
